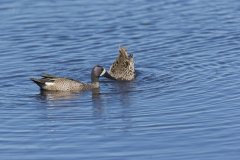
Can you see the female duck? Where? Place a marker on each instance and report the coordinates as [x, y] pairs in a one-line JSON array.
[[53, 83], [123, 67]]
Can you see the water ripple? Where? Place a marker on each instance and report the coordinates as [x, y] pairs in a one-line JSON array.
[[183, 103]]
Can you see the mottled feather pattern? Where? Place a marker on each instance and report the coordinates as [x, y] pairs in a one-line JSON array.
[[61, 84], [123, 67], [65, 84], [53, 83]]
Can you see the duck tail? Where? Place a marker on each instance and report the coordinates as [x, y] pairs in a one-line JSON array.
[[123, 52], [37, 81]]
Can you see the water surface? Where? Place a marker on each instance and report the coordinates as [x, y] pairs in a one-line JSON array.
[[184, 103]]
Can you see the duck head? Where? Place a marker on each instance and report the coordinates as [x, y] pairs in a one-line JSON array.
[[100, 71]]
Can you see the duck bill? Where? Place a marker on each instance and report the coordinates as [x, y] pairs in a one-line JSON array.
[[107, 75]]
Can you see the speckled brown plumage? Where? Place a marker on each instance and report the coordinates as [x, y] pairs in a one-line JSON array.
[[63, 84], [123, 67], [53, 83]]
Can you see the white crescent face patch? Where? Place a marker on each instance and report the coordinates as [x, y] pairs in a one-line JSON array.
[[103, 72]]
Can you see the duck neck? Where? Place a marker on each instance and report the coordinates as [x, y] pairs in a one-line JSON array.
[[94, 78]]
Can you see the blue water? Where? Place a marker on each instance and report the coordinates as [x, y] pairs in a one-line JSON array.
[[184, 103]]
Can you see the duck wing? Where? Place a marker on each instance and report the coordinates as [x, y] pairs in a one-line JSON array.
[[51, 78], [43, 81], [46, 75]]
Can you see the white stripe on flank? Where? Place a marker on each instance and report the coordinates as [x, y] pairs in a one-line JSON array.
[[49, 83], [103, 72]]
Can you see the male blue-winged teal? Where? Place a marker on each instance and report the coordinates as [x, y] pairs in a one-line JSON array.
[[53, 83], [123, 67]]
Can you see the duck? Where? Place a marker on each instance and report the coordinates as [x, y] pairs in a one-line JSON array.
[[123, 68], [53, 83]]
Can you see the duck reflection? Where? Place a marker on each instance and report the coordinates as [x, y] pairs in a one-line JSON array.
[[98, 104], [124, 89], [62, 95], [104, 106], [58, 95]]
